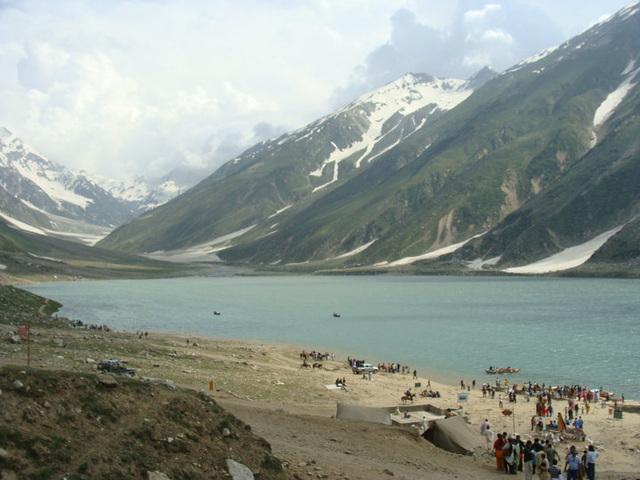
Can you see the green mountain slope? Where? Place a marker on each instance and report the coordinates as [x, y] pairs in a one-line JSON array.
[[28, 257]]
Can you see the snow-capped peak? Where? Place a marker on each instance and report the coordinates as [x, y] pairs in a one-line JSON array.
[[420, 96], [27, 163]]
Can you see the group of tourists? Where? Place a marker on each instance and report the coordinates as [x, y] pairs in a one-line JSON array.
[[394, 368], [314, 355], [538, 457]]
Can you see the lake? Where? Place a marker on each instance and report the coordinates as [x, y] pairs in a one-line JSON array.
[[556, 330]]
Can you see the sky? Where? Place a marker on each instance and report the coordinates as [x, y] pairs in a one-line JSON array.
[[146, 87]]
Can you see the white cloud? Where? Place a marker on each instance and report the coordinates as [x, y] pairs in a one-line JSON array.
[[144, 86], [472, 16]]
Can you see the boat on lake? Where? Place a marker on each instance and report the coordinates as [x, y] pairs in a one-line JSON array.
[[493, 371]]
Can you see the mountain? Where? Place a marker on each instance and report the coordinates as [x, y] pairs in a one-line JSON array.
[[291, 171], [140, 193], [38, 195], [539, 162]]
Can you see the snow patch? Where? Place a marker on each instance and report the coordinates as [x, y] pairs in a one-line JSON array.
[[22, 226], [535, 58], [606, 108], [479, 264], [355, 251], [204, 252], [568, 258], [278, 212], [428, 255]]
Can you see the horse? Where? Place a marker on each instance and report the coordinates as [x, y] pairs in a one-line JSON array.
[[407, 398]]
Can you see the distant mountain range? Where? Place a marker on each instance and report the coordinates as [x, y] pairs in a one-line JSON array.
[[38, 195], [533, 170]]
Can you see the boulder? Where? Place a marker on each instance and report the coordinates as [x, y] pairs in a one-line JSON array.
[[157, 475], [239, 471], [107, 381]]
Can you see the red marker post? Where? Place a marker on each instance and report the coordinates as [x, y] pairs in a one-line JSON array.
[[24, 331]]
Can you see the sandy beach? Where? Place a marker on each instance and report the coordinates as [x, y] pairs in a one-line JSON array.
[[274, 382], [294, 408]]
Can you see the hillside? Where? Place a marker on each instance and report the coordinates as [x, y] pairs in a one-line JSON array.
[[28, 257], [537, 160], [59, 423]]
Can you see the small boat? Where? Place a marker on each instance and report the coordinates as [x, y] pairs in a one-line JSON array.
[[336, 315], [508, 370], [216, 312], [493, 371]]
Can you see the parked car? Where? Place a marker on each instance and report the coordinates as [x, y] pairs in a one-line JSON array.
[[364, 368], [115, 366]]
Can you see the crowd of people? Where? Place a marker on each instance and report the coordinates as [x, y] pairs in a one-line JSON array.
[[540, 457]]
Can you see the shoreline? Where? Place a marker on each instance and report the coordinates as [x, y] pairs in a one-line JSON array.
[[365, 331], [438, 376], [263, 384]]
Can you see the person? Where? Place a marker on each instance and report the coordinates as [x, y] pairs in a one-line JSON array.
[[578, 423], [425, 424], [415, 374], [572, 464], [552, 453], [515, 449], [591, 462], [484, 426], [497, 447], [508, 453], [542, 467], [488, 438], [528, 457], [554, 470], [520, 453], [583, 466]]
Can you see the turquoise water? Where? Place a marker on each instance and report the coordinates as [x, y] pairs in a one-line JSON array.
[[557, 331]]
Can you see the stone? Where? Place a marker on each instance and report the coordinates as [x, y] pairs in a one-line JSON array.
[[157, 475], [107, 381], [239, 471]]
